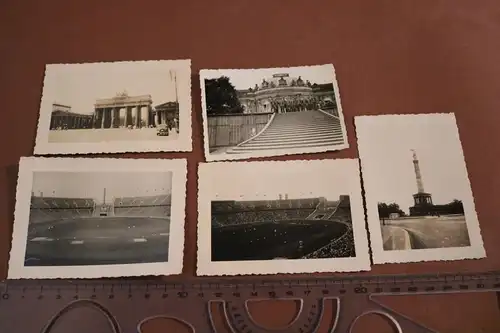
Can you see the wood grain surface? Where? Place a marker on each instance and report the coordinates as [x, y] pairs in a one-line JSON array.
[[390, 57]]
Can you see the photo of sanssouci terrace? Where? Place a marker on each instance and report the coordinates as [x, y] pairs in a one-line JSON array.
[[282, 112]]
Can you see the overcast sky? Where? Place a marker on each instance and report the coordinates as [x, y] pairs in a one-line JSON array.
[[92, 184], [247, 78], [79, 85], [267, 183], [385, 145]]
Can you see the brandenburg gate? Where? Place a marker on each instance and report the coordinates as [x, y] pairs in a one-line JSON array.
[[123, 111]]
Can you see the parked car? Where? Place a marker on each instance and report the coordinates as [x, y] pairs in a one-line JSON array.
[[162, 130]]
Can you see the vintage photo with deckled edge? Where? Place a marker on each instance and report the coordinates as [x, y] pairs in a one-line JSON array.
[[112, 107], [271, 111], [419, 200], [281, 217], [102, 217]]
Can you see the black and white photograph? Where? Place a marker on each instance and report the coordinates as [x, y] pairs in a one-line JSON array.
[[271, 112], [419, 200], [95, 217], [134, 106], [281, 217]]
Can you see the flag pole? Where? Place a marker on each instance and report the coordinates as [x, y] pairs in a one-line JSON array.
[[173, 76], [175, 82]]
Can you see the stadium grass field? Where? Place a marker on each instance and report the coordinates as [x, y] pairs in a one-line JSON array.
[[268, 240], [98, 241]]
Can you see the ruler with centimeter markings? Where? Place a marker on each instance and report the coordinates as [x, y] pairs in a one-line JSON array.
[[328, 304]]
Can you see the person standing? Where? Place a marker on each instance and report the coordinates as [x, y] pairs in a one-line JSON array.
[[176, 125]]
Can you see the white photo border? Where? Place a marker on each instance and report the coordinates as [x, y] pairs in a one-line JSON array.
[[182, 144], [210, 174], [228, 157], [364, 131], [29, 165]]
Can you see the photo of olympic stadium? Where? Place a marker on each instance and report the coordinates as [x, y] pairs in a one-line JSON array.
[[98, 218], [306, 228]]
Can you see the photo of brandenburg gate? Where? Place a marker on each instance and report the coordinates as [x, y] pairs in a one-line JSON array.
[[121, 111], [124, 111]]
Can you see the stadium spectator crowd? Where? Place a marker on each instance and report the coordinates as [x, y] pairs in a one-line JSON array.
[[339, 248], [259, 216], [243, 206], [225, 213]]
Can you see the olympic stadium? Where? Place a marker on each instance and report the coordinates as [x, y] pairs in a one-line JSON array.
[[81, 231], [282, 229]]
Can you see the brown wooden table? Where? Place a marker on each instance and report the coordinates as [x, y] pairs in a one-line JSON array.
[[391, 57]]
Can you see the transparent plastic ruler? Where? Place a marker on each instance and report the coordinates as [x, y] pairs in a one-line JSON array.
[[220, 304]]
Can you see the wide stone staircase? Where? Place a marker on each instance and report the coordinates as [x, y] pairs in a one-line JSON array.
[[306, 129]]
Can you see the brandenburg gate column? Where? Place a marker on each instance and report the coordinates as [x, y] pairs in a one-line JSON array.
[[119, 111], [138, 118], [116, 111], [127, 116], [96, 117], [117, 117], [146, 115], [112, 111], [134, 116], [103, 119]]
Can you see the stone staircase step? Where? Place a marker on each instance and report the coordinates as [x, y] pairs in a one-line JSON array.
[[292, 141], [303, 127], [302, 131], [242, 149], [311, 136], [302, 114], [294, 131], [304, 121], [296, 142], [308, 117], [296, 120], [273, 126]]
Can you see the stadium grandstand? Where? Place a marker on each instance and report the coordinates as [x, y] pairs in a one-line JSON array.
[[83, 231], [241, 212], [52, 208], [327, 210], [151, 206], [293, 229], [44, 209]]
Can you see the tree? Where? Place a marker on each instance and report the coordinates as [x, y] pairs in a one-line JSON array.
[[221, 97], [455, 207], [384, 210]]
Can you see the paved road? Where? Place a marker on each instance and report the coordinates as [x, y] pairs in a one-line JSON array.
[[109, 134], [433, 232], [395, 238]]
